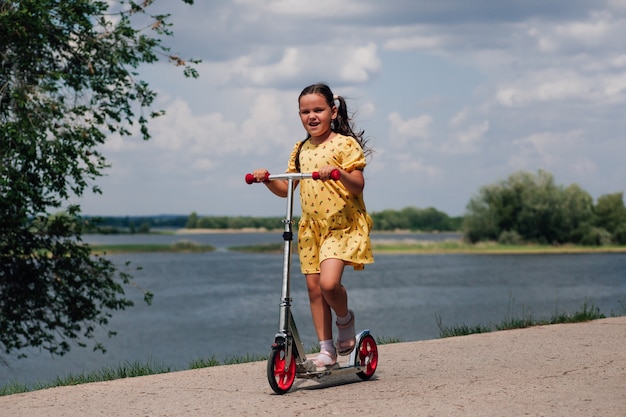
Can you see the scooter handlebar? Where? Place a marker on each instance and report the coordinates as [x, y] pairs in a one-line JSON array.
[[335, 174]]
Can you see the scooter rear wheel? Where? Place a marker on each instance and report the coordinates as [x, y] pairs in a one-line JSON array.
[[367, 356], [280, 374]]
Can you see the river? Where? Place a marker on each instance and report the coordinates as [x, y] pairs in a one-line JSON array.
[[224, 304]]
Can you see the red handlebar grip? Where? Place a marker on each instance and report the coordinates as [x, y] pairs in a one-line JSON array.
[[251, 180], [334, 175]]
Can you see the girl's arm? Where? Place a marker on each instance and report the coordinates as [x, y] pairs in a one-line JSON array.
[[353, 181]]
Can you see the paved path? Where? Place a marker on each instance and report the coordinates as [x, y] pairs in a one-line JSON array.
[[559, 370]]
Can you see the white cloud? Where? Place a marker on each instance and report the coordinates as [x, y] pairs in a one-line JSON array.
[[203, 164], [250, 69], [408, 163], [460, 117], [322, 8], [467, 140], [553, 151], [615, 87], [444, 88], [417, 41], [265, 126], [181, 130], [547, 86], [359, 64], [402, 131], [599, 31], [563, 85]]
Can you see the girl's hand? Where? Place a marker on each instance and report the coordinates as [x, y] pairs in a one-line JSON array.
[[277, 187], [353, 181], [260, 175], [325, 172]]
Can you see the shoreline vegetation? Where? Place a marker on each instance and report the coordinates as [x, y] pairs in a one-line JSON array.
[[135, 369], [183, 246], [408, 245]]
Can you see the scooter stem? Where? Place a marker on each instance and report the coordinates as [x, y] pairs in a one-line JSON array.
[[285, 304], [287, 330]]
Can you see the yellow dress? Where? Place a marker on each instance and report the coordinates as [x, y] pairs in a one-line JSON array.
[[334, 223]]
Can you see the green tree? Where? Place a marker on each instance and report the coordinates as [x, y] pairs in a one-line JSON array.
[[529, 207], [192, 221], [610, 215], [68, 79], [144, 227], [539, 219], [428, 219], [610, 212], [389, 220], [486, 214], [577, 211], [412, 218]]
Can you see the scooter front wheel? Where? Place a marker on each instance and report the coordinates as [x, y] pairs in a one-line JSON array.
[[367, 356], [280, 374]]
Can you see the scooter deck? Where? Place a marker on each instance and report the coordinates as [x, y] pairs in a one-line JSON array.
[[338, 369]]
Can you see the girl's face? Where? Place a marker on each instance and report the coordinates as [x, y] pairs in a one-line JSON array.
[[316, 115]]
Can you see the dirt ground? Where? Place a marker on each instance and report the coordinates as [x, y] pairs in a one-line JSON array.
[[558, 370]]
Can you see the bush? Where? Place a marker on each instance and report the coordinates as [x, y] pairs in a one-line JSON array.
[[510, 237], [540, 211], [592, 236]]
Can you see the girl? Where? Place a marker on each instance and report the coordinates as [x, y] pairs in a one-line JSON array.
[[334, 227]]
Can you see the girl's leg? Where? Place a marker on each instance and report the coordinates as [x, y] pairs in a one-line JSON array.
[[320, 310], [333, 292], [336, 297], [322, 321], [326, 292]]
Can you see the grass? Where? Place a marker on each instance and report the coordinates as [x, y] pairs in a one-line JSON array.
[[451, 246], [262, 248], [130, 370], [588, 313], [382, 246], [125, 370], [231, 360], [183, 246], [458, 246]]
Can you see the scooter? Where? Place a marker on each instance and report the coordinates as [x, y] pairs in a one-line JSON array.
[[287, 359]]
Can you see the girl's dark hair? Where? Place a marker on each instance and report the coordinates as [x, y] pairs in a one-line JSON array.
[[342, 124]]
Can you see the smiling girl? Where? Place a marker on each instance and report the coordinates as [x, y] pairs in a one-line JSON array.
[[334, 227]]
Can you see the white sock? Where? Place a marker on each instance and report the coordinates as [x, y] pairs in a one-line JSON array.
[[328, 346], [344, 320]]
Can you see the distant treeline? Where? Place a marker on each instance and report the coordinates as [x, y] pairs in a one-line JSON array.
[[131, 224], [409, 218], [524, 208]]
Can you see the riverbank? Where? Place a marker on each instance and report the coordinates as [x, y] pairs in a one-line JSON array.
[[556, 370], [412, 246], [186, 231], [383, 242], [200, 231]]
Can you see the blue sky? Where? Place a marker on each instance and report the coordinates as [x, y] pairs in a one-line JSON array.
[[452, 94]]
